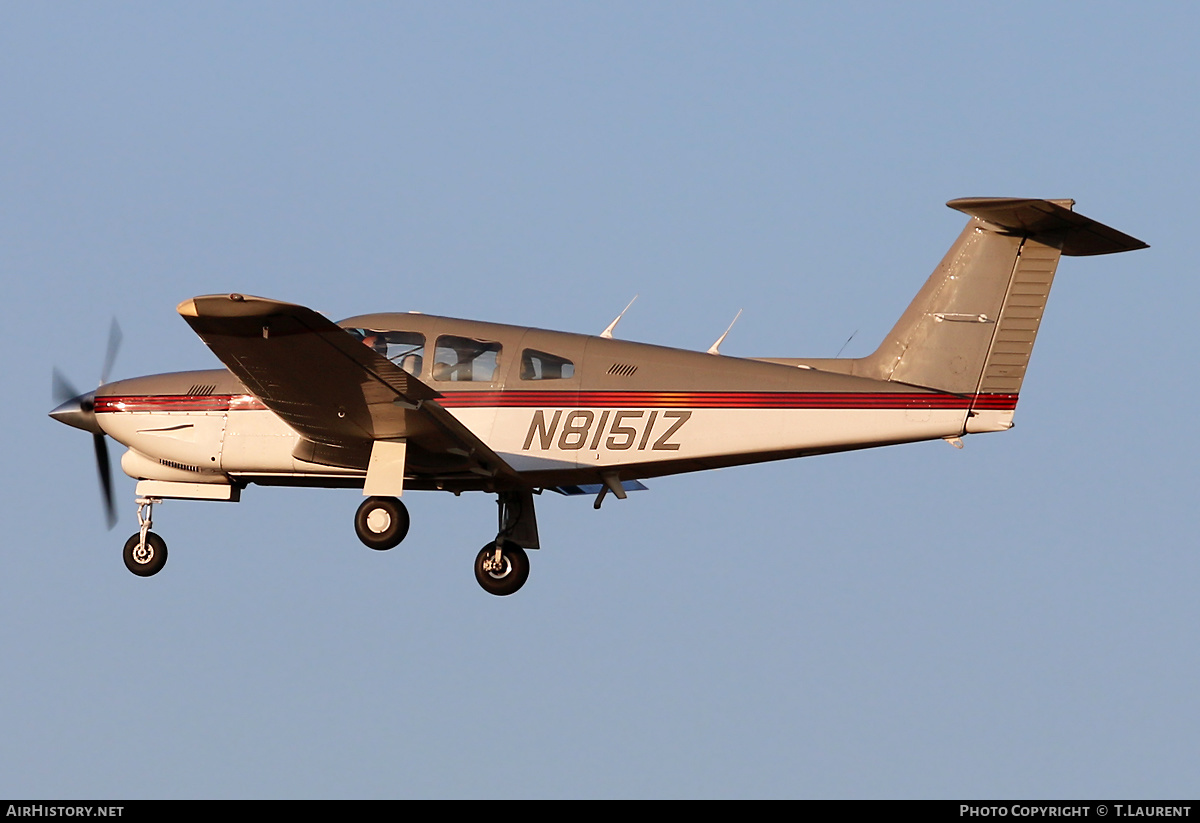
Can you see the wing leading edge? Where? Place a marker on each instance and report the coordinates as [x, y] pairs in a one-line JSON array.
[[338, 394]]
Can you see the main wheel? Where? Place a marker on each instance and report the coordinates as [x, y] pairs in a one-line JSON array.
[[504, 577], [381, 522], [147, 560]]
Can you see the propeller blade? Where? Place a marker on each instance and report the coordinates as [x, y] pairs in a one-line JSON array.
[[104, 468], [110, 356], [78, 410], [62, 388]]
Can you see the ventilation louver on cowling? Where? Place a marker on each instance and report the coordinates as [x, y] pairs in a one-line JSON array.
[[181, 466]]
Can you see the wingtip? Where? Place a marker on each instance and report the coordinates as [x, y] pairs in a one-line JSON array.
[[234, 305]]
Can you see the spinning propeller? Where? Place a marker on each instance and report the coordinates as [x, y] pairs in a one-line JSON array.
[[79, 410]]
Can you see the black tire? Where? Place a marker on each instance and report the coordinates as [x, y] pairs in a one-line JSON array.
[[381, 522], [148, 562], [507, 580]]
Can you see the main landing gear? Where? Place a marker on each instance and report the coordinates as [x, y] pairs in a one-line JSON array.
[[381, 522], [501, 567], [145, 552]]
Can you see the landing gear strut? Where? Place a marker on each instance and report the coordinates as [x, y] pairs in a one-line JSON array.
[[502, 567], [381, 522], [145, 552]]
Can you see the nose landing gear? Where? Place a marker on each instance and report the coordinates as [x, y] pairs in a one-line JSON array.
[[145, 552]]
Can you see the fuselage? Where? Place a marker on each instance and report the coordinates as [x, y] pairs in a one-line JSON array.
[[559, 408]]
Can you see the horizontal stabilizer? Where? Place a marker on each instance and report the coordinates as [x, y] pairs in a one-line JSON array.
[[1081, 235]]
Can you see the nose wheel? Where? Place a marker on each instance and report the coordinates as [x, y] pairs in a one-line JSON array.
[[501, 567], [145, 552], [145, 558]]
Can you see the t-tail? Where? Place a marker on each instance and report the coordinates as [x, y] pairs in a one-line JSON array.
[[971, 328]]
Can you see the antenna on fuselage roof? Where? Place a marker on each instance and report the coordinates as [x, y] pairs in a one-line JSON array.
[[847, 343], [608, 332], [716, 347]]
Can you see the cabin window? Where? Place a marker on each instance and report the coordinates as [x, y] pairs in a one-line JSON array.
[[463, 359], [540, 365], [404, 348]]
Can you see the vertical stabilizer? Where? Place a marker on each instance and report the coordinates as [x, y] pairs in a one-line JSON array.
[[971, 328], [942, 339]]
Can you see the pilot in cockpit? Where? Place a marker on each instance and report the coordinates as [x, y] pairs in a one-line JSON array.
[[405, 349], [376, 342]]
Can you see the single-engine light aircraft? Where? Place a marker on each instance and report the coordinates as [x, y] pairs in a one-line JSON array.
[[393, 402]]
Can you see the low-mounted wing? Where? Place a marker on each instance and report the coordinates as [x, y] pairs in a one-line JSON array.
[[338, 394]]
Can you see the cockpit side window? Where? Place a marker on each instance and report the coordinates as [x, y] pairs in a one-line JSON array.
[[540, 365], [463, 359], [404, 348]]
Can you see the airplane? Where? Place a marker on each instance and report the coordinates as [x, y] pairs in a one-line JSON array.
[[396, 402]]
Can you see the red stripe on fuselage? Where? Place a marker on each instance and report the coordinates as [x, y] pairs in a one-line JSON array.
[[729, 400], [178, 403], [569, 399]]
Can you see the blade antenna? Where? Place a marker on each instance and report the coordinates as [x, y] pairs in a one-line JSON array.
[[608, 332], [847, 343], [715, 348]]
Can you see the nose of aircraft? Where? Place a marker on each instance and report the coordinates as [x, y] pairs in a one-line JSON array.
[[79, 412]]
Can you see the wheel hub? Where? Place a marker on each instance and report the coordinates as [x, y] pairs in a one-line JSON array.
[[379, 520], [498, 568], [143, 554]]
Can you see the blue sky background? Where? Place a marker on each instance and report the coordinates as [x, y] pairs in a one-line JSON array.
[[1017, 619]]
